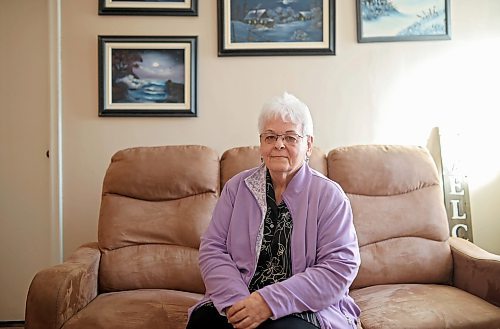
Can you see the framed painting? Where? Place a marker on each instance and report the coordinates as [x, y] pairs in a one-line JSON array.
[[152, 7], [278, 27], [147, 76], [403, 20]]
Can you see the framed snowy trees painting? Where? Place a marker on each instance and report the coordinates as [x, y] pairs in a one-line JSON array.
[[278, 27], [403, 20]]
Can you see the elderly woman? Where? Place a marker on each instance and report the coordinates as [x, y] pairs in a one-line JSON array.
[[281, 250]]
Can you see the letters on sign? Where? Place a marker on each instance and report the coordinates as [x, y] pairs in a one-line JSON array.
[[457, 205]]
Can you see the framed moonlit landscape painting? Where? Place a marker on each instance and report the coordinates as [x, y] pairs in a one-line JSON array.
[[278, 27], [147, 75], [403, 20], [151, 7]]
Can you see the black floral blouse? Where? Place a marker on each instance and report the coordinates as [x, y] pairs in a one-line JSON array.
[[274, 264]]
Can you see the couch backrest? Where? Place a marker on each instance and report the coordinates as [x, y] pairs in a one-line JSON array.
[[156, 203], [238, 159], [399, 213]]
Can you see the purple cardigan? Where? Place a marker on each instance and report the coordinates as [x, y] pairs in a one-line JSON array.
[[324, 247]]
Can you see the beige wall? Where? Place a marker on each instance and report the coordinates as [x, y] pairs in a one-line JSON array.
[[368, 93]]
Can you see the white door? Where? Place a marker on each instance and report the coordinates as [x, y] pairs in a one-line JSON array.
[[25, 202]]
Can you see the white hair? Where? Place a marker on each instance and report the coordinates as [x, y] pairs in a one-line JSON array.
[[288, 108]]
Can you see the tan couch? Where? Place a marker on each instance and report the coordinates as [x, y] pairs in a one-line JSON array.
[[156, 202]]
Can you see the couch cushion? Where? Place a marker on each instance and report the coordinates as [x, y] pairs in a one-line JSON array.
[[237, 159], [156, 203], [398, 211], [423, 306], [135, 309]]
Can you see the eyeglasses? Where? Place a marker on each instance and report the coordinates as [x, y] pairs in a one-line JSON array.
[[288, 138]]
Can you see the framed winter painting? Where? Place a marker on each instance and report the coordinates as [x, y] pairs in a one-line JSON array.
[[403, 20], [147, 76], [278, 27]]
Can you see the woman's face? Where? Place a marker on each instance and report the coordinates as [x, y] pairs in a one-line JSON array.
[[286, 153]]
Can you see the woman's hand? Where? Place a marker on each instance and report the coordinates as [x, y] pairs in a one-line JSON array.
[[249, 313]]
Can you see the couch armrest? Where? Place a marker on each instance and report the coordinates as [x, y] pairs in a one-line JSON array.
[[59, 292], [476, 270]]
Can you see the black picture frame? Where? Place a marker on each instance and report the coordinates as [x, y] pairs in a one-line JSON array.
[[147, 76], [392, 21], [142, 7], [271, 31]]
